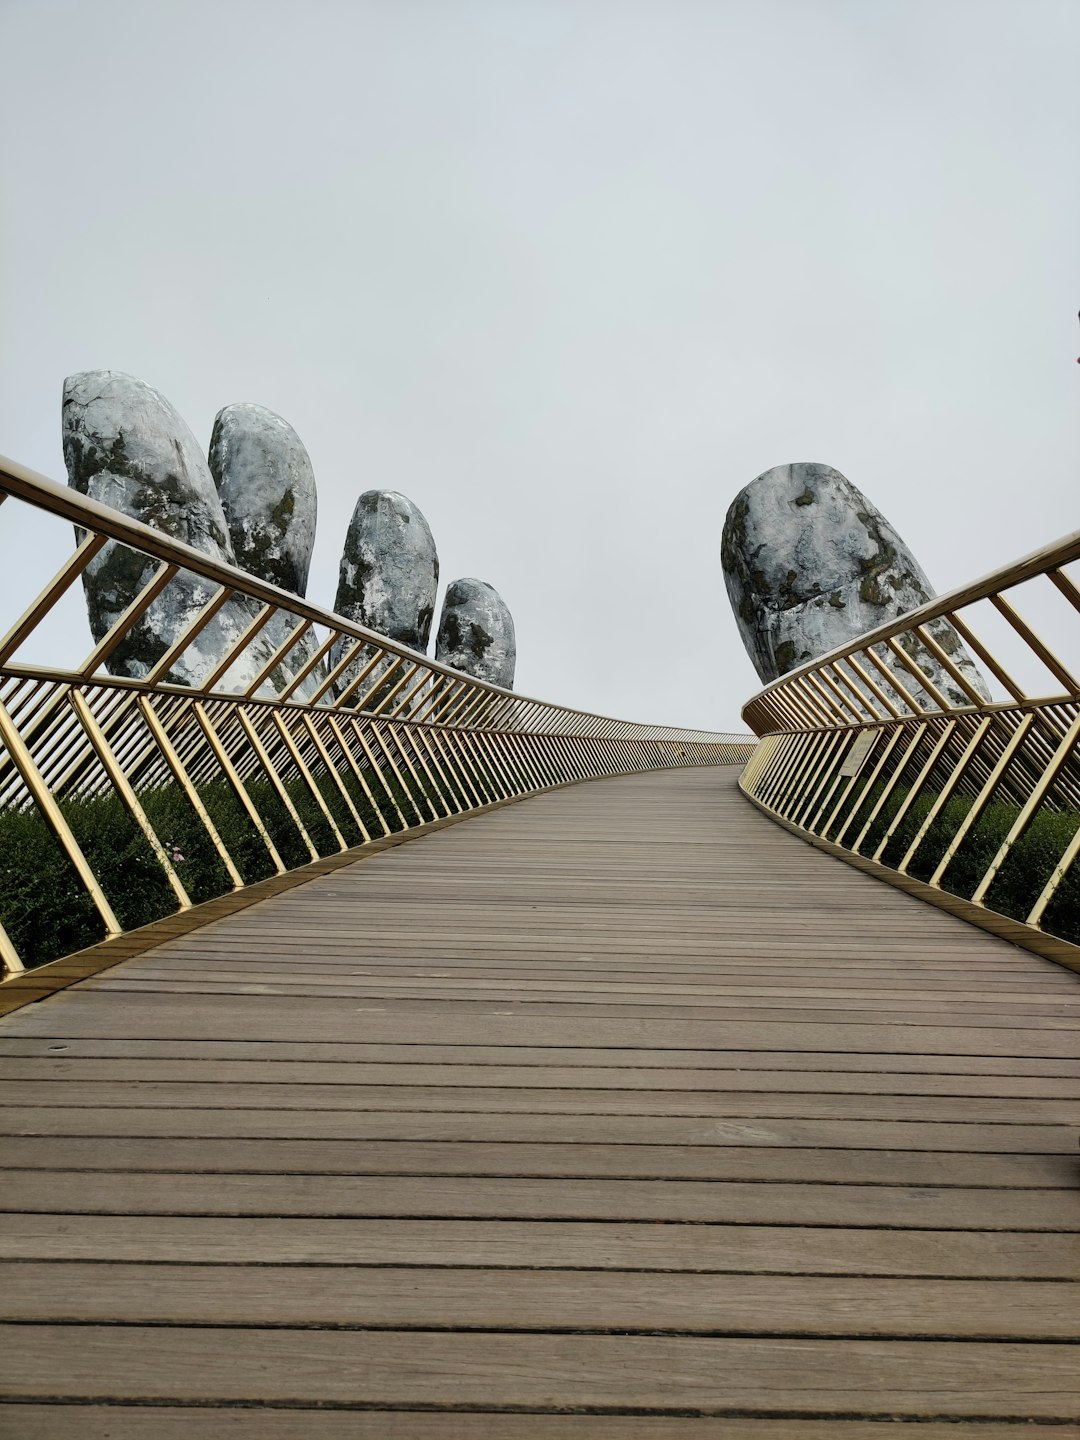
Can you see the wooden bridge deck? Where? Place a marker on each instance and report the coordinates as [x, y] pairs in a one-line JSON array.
[[618, 1113]]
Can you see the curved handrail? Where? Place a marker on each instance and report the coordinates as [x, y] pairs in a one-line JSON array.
[[89, 515], [893, 752], [771, 708], [313, 734]]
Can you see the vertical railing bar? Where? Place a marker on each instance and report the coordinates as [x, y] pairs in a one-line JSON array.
[[1027, 812], [893, 681], [972, 641], [869, 714], [335, 728], [922, 679], [450, 770], [58, 586], [855, 714], [278, 657], [980, 801], [236, 650], [835, 716], [127, 794], [1033, 642], [179, 770], [464, 761], [426, 713], [416, 741], [275, 779], [789, 767], [376, 730], [868, 789], [123, 623], [1057, 875], [312, 729], [916, 787], [491, 746], [380, 682], [802, 759], [354, 684], [191, 631], [9, 956], [358, 729], [838, 776], [427, 738], [281, 725], [946, 791], [815, 775], [872, 685], [232, 775], [51, 812], [891, 784], [947, 664], [310, 664]]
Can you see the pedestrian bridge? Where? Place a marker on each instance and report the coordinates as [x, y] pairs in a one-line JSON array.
[[639, 1107]]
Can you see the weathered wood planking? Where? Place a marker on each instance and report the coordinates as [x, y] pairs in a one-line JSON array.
[[620, 1099]]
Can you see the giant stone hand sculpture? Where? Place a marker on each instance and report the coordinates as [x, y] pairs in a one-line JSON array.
[[387, 581], [125, 446], [476, 633], [254, 505], [267, 488], [810, 564]]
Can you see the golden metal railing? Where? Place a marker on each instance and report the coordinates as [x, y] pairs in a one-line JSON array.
[[326, 739], [890, 753]]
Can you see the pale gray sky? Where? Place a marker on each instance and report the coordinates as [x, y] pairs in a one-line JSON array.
[[568, 273]]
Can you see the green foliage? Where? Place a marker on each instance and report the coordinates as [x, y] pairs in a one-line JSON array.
[[47, 911], [1026, 869]]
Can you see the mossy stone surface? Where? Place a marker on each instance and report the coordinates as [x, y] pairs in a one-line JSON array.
[[127, 447], [810, 564], [476, 632]]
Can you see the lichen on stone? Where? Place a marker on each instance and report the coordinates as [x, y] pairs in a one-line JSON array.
[[476, 633], [127, 447], [810, 564]]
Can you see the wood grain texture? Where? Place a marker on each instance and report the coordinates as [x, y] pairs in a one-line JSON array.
[[163, 1422], [402, 1368], [621, 1099]]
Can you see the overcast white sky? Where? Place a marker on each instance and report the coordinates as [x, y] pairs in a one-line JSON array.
[[569, 273]]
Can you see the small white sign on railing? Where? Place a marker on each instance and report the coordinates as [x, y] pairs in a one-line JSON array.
[[864, 743]]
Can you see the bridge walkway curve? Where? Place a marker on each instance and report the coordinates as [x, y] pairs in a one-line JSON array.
[[616, 1113]]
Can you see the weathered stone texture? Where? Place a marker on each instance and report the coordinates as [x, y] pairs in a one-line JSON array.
[[389, 569], [125, 446], [266, 483], [388, 577], [476, 633], [810, 564], [267, 487]]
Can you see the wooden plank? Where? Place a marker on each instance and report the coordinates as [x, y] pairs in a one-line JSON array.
[[289, 1075], [533, 1300], [615, 982], [436, 996], [487, 1197], [564, 1129], [480, 1003], [641, 1162], [653, 1373], [532, 1100], [520, 1244], [120, 1422], [610, 1059], [490, 1064], [715, 970], [84, 1014]]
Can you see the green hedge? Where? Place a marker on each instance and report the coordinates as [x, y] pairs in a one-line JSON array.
[[47, 911], [1019, 882]]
